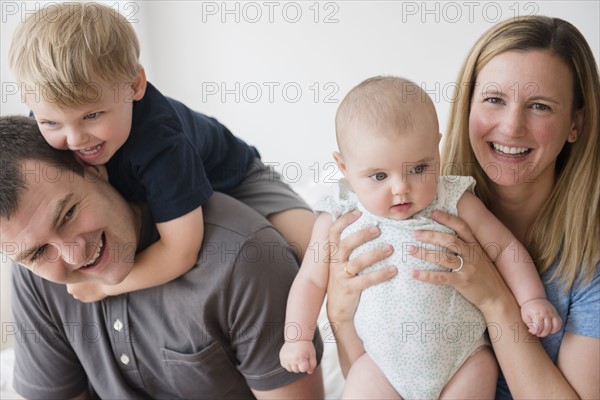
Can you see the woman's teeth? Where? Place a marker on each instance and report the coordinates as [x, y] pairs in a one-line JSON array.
[[510, 150]]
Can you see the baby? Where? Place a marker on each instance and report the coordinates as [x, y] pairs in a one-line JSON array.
[[419, 335]]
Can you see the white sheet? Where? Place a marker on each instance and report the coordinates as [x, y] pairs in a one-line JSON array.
[[7, 359]]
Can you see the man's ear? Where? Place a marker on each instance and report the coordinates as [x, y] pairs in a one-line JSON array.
[[95, 173], [337, 156], [139, 85]]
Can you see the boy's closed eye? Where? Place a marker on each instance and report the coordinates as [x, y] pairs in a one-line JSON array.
[[93, 115]]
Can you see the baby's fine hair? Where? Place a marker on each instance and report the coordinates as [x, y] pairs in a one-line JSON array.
[[383, 103], [64, 50]]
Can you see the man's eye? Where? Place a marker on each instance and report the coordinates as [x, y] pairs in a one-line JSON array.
[[38, 253], [419, 169], [379, 176], [69, 213]]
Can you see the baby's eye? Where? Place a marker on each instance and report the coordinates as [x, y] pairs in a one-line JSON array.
[[419, 169], [379, 176]]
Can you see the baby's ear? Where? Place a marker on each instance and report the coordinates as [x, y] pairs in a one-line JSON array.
[[339, 160], [139, 85]]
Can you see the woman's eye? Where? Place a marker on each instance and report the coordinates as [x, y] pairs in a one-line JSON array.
[[540, 107], [493, 100], [49, 123], [419, 169], [379, 176]]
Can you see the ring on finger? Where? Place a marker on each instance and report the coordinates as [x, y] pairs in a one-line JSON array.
[[349, 273], [462, 263]]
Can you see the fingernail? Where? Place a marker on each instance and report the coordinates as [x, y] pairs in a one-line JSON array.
[[356, 212], [387, 248], [418, 234], [411, 249], [374, 229], [415, 274]]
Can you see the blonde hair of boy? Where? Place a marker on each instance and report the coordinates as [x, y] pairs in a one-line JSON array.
[[382, 104], [63, 49], [567, 227]]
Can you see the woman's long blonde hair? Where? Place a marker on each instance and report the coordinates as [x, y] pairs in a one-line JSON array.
[[567, 227]]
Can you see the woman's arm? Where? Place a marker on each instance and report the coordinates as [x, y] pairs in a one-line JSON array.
[[343, 293], [529, 371]]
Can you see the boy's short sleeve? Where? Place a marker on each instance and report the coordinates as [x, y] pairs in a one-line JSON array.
[[162, 169]]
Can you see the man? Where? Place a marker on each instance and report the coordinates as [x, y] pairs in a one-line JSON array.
[[213, 333]]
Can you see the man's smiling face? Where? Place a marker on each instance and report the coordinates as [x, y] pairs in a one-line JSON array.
[[70, 228]]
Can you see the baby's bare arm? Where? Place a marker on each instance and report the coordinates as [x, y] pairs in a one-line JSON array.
[[304, 302], [308, 290], [508, 254]]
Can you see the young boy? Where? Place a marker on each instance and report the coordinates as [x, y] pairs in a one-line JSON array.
[[89, 94], [426, 339]]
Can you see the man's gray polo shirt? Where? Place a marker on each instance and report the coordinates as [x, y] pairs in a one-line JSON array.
[[215, 332]]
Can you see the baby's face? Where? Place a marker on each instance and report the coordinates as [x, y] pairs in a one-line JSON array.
[[395, 175]]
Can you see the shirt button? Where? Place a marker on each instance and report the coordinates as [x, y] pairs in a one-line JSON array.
[[124, 359], [118, 325]]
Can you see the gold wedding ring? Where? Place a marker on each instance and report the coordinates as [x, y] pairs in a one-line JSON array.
[[349, 273]]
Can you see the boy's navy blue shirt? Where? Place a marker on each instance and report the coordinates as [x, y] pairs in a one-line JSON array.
[[175, 157]]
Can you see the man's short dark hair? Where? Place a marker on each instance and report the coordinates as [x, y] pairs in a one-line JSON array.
[[20, 140]]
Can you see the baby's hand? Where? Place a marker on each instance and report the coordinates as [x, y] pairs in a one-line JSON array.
[[298, 356], [87, 292], [541, 317]]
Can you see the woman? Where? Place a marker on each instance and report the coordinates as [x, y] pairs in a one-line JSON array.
[[528, 131]]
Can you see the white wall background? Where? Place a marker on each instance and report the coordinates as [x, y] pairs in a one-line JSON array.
[[275, 71]]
